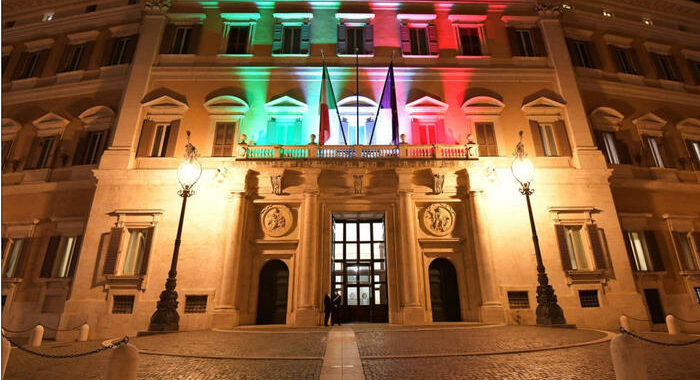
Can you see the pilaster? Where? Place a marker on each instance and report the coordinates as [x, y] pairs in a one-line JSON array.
[[307, 311]]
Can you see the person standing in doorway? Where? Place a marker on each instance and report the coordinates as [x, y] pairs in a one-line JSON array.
[[337, 302], [327, 308]]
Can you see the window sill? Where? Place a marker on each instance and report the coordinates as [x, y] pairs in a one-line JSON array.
[[530, 61], [671, 84], [290, 55], [353, 55], [11, 281], [631, 78], [234, 55], [125, 282], [690, 273], [585, 277], [589, 71], [176, 58], [113, 70], [70, 76], [21, 84], [432, 56]]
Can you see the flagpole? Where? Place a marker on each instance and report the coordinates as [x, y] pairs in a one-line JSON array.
[[379, 107], [357, 96]]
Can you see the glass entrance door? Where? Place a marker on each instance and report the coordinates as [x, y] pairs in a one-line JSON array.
[[359, 269]]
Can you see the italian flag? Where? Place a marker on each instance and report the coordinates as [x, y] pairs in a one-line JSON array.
[[329, 118]]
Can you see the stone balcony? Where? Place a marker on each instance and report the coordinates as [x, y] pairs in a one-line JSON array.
[[469, 151]]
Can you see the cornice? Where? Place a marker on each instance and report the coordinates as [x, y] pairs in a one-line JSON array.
[[636, 91], [63, 90]]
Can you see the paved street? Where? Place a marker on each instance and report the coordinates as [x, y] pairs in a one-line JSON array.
[[277, 353]]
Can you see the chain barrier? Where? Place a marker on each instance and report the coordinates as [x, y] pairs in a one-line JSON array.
[[633, 335], [636, 319], [18, 331], [116, 344], [683, 320], [44, 326]]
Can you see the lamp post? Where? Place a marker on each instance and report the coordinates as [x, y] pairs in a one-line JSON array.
[[166, 318], [548, 311]]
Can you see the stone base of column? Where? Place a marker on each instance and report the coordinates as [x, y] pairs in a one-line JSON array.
[[413, 315], [494, 313], [225, 318], [306, 317], [116, 158]]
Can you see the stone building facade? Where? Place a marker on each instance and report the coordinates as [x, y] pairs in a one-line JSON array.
[[97, 99]]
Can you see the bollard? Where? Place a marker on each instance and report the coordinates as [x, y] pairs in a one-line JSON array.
[[625, 322], [123, 363], [37, 336], [6, 347], [628, 358], [83, 334], [672, 325]]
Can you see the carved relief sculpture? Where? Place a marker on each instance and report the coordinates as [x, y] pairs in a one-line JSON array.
[[357, 183], [438, 181], [276, 220], [439, 219], [157, 6], [276, 181]]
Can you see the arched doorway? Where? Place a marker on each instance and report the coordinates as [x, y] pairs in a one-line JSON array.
[[272, 293], [444, 294]]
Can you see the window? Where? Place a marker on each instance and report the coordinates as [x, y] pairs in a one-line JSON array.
[[577, 252], [195, 304], [546, 135], [11, 256], [588, 298], [122, 51], [518, 300], [525, 44], [238, 37], [42, 152], [697, 295], [91, 8], [665, 67], [692, 145], [419, 41], [223, 140], [122, 304], [9, 24], [581, 53], [695, 69], [75, 57], [31, 65], [6, 150], [469, 41], [644, 251], [94, 148], [136, 251], [181, 40], [61, 257], [624, 58], [685, 250], [356, 36], [291, 40], [161, 140], [486, 138], [355, 40], [654, 146], [609, 144]]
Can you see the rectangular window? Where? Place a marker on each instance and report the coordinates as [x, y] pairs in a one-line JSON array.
[[291, 40], [75, 57], [549, 143], [693, 151], [665, 67], [624, 59], [60, 257], [654, 145], [47, 144], [11, 257], [470, 41], [695, 68], [195, 304], [577, 252], [486, 138], [697, 295], [122, 304], [640, 251], [6, 149], [223, 140], [31, 64], [580, 54], [518, 300], [588, 298], [160, 140], [134, 260], [419, 41], [94, 147], [181, 40], [609, 147], [525, 44], [238, 37], [355, 39], [121, 51], [685, 250]]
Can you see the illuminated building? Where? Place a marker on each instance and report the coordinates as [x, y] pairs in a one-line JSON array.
[[608, 102]]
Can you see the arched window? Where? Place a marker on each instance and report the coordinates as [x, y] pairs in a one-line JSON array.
[[357, 133], [427, 120]]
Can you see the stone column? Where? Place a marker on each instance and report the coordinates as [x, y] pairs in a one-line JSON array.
[[227, 309], [120, 154], [410, 265], [306, 313], [491, 309]]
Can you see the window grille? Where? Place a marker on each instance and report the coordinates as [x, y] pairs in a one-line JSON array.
[[123, 305], [588, 298], [518, 300], [196, 304]]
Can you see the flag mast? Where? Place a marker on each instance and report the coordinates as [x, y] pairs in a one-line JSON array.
[[379, 107], [357, 96], [327, 75]]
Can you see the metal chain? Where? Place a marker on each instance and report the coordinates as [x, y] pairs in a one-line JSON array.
[[44, 326], [636, 319], [18, 331], [683, 320], [73, 329], [624, 331], [124, 340]]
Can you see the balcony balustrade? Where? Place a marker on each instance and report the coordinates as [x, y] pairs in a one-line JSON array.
[[469, 151]]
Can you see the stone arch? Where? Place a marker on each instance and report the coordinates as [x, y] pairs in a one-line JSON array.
[[444, 290]]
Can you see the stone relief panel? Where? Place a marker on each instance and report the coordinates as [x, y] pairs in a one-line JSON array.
[[439, 219], [276, 220]]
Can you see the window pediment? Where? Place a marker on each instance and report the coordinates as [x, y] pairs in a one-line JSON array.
[[467, 19], [426, 107], [649, 124], [483, 105], [97, 118], [50, 124], [137, 217], [606, 119], [689, 128], [285, 105], [79, 38], [351, 104], [10, 128], [543, 109], [165, 106], [189, 18], [226, 105]]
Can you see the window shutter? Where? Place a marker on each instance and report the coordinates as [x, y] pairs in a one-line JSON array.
[[656, 58], [593, 53], [538, 41], [536, 138], [34, 152], [167, 41], [79, 156], [491, 140], [26, 250], [514, 42], [635, 61], [623, 152], [87, 54], [277, 38], [646, 152], [144, 149], [669, 161], [677, 238], [572, 52], [596, 243], [613, 54], [130, 48], [369, 38], [433, 40], [654, 251], [342, 46], [20, 67], [405, 40], [172, 139], [40, 63], [195, 36], [147, 251], [693, 156], [305, 38], [76, 254], [563, 247], [50, 257], [628, 248], [107, 52], [113, 250], [65, 58], [52, 162], [563, 147], [228, 139], [481, 137]]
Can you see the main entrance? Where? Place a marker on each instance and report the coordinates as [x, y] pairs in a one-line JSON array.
[[359, 267], [272, 293]]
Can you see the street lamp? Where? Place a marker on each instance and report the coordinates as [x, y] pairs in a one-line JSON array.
[[166, 318], [548, 311]]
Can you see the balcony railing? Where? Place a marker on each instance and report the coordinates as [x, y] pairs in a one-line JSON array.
[[468, 151]]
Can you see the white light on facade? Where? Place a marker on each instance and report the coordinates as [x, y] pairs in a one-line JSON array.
[[647, 21], [48, 16], [607, 13], [567, 6]]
